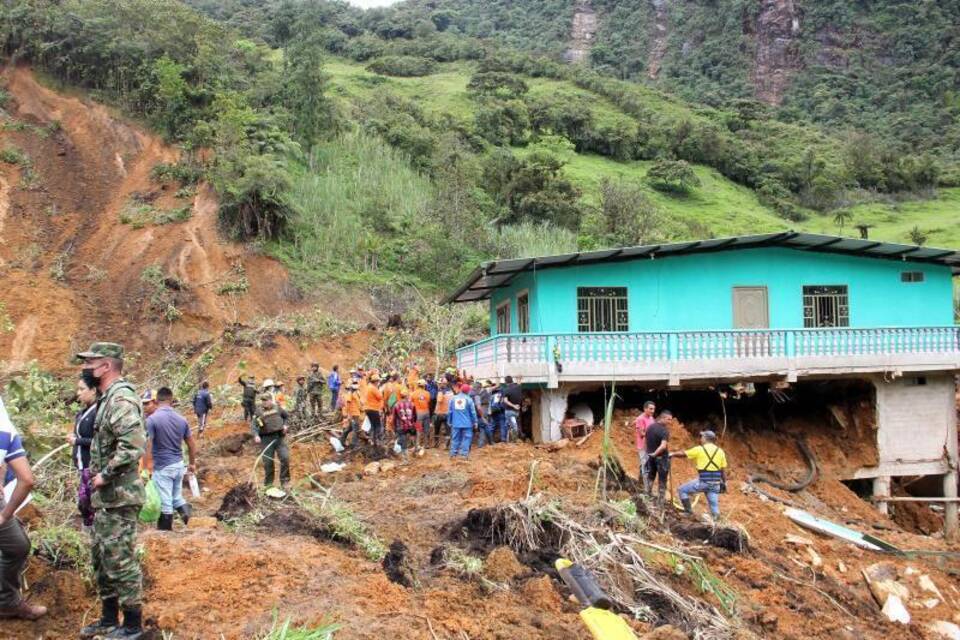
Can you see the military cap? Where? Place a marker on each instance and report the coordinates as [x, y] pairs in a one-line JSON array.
[[102, 350]]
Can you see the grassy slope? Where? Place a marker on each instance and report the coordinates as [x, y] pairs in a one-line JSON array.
[[725, 207]]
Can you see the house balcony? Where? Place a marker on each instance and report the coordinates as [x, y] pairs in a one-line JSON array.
[[677, 356]]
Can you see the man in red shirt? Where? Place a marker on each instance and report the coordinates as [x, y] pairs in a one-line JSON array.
[[644, 420], [404, 420]]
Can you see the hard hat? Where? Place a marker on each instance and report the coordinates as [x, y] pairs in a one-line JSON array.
[[421, 382], [267, 383]]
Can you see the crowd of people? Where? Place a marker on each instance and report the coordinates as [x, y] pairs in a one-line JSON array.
[[402, 408]]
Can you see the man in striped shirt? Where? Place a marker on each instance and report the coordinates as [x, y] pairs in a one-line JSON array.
[[14, 544]]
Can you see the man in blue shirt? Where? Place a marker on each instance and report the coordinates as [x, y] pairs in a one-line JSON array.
[[463, 420], [202, 404], [167, 430], [333, 383]]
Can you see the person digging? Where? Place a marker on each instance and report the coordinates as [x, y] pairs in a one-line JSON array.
[[711, 463]]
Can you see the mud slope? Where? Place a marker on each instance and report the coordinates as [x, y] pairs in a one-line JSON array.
[[73, 271]]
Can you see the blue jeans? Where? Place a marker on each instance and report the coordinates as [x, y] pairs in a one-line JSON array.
[[334, 394], [169, 482], [499, 422], [484, 432], [509, 427], [460, 441], [709, 489]]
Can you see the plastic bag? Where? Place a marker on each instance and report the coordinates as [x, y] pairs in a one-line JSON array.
[[194, 485], [150, 511], [366, 425], [336, 444]]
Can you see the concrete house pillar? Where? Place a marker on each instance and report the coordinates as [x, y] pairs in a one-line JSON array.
[[548, 411], [917, 435]]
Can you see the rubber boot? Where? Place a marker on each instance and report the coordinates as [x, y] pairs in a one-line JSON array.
[[687, 507], [165, 523], [108, 622], [185, 512], [132, 628]]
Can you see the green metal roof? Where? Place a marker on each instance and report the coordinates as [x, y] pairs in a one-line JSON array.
[[498, 274]]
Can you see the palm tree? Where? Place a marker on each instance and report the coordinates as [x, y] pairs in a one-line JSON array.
[[842, 217]]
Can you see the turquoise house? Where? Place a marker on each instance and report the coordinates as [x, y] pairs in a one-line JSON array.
[[776, 309]]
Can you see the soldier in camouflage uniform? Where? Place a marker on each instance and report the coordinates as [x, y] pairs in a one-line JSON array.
[[315, 383], [300, 398], [269, 427], [118, 444]]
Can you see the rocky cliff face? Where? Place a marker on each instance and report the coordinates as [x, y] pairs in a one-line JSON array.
[[777, 53], [582, 33]]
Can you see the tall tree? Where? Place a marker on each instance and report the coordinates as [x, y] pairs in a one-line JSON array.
[[313, 114]]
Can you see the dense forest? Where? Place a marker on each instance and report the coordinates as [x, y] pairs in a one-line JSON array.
[[410, 142]]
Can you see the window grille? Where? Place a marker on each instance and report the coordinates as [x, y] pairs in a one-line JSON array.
[[826, 306], [911, 276], [602, 309], [523, 313]]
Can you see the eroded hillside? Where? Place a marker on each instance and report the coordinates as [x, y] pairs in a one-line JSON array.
[[85, 246]]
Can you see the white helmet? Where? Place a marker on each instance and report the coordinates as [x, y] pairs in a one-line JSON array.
[[268, 383]]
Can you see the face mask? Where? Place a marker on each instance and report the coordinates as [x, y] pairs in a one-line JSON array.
[[89, 379]]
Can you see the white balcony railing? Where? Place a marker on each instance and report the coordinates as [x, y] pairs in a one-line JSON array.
[[660, 348]]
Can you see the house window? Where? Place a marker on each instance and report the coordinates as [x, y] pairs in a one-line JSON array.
[[503, 318], [523, 313], [911, 276], [602, 309], [826, 306]]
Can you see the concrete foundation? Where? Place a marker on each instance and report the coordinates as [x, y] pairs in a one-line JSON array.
[[917, 435], [549, 409]]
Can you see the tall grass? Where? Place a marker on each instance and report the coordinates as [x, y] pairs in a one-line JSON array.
[[356, 194], [529, 239]]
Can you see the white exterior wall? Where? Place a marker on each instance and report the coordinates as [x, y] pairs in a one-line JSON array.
[[916, 426]]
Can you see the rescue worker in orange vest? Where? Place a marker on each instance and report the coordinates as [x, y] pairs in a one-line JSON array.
[[421, 402], [352, 413], [373, 407], [441, 428]]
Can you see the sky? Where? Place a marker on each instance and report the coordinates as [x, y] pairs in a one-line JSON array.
[[366, 4]]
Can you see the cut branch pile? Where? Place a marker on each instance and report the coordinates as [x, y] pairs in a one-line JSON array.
[[615, 558]]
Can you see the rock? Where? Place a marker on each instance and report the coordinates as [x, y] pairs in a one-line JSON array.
[[502, 565], [666, 632], [332, 467], [929, 603], [371, 469], [387, 465], [882, 580], [202, 522], [556, 446], [841, 567], [928, 585], [797, 540], [946, 630], [895, 611], [815, 560]]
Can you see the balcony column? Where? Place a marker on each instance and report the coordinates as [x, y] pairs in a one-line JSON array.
[[881, 489], [551, 407], [950, 524]]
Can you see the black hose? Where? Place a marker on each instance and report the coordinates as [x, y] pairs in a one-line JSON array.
[[812, 472]]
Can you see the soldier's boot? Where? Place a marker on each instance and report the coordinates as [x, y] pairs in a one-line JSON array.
[[108, 622], [132, 628], [165, 523], [687, 507], [185, 512]]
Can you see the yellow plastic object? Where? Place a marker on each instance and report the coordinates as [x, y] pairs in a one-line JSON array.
[[606, 625], [562, 563]]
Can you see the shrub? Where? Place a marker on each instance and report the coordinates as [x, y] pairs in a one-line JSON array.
[[402, 66], [672, 176]]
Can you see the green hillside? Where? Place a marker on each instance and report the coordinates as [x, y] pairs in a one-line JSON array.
[[384, 146]]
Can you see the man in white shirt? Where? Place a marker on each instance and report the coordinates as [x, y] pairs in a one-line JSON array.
[[14, 544]]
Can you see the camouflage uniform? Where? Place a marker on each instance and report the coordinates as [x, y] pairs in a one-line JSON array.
[[300, 402], [268, 425], [117, 447], [315, 383]]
